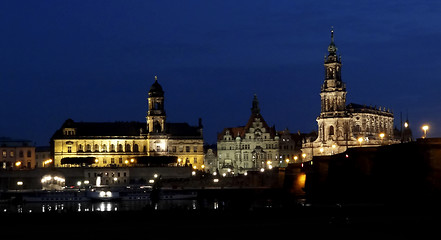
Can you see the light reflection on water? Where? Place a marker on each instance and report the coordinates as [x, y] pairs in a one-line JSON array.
[[62, 207]]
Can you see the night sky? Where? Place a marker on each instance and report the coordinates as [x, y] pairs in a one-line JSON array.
[[96, 60]]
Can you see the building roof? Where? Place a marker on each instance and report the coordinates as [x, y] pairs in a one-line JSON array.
[[241, 130], [10, 142], [358, 108], [122, 129], [156, 89]]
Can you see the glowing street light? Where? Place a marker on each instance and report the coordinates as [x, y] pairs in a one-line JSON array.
[[382, 136], [425, 128], [360, 140]]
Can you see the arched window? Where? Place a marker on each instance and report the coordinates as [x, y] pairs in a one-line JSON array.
[[157, 127], [135, 148], [29, 154], [357, 128], [112, 148], [80, 148], [96, 148], [120, 147], [331, 130], [128, 148], [88, 148], [20, 154], [104, 149]]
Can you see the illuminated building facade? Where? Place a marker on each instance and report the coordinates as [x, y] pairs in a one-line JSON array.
[[122, 144], [250, 147], [342, 126], [16, 154]]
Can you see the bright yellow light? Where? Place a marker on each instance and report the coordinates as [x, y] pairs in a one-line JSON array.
[[304, 155], [406, 124], [382, 135], [301, 180], [321, 150], [295, 158], [203, 166], [126, 161], [19, 183], [425, 128], [47, 162], [287, 160], [334, 146], [194, 167], [269, 162], [96, 160], [17, 164], [132, 160], [360, 140]]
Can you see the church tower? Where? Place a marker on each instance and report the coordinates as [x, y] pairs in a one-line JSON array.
[[333, 121], [156, 113], [333, 92]]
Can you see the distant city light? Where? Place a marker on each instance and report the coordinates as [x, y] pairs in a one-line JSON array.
[[425, 128]]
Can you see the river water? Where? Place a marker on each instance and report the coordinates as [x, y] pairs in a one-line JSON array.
[[105, 206]]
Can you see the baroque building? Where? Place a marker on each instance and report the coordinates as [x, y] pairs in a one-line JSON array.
[[125, 144], [252, 147], [342, 126]]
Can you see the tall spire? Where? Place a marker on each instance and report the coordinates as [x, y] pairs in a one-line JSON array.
[[332, 34], [332, 49], [255, 107]]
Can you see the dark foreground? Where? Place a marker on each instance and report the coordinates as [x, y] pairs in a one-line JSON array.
[[348, 221]]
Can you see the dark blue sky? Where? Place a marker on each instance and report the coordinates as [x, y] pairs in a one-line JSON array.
[[96, 60]]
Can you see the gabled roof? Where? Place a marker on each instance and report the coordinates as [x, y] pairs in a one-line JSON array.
[[240, 131]]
